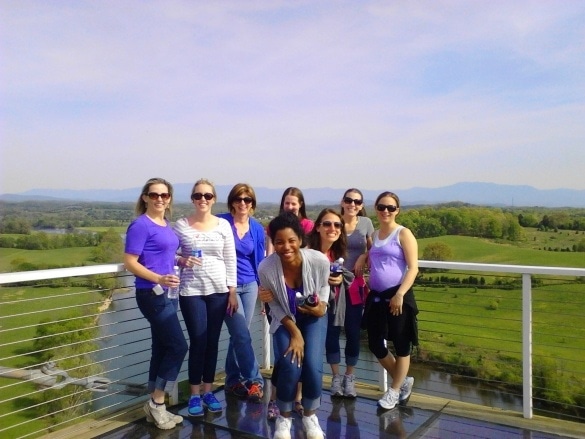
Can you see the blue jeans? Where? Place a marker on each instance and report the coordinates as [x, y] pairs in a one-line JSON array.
[[240, 362], [352, 323], [169, 346], [313, 330], [203, 318]]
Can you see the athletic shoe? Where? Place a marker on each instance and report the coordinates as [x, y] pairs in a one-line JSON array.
[[312, 427], [349, 386], [282, 429], [238, 389], [273, 411], [211, 403], [175, 418], [195, 408], [406, 389], [255, 392], [159, 415], [389, 400], [336, 385]]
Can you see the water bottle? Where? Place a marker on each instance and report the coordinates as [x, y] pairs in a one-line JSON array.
[[198, 253], [174, 291], [337, 267], [311, 300]]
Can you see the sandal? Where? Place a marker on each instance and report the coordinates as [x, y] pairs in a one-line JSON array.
[[299, 409]]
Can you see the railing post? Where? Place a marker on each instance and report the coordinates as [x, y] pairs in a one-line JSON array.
[[527, 345], [265, 344], [383, 375]]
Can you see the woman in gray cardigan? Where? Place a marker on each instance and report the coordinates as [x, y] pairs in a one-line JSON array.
[[294, 281]]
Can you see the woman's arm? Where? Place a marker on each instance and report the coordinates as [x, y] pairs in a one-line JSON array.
[[410, 249], [297, 343], [137, 269]]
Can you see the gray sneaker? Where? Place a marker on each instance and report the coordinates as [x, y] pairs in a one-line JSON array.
[[149, 418], [159, 415], [336, 386], [406, 389], [389, 400], [349, 386]]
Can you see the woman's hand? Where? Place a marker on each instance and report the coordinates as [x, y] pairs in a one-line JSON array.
[[265, 295], [395, 304], [296, 348], [191, 261], [169, 280], [335, 280], [232, 306], [318, 310], [360, 265]]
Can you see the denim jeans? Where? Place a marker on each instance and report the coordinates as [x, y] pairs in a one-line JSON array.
[[352, 323], [240, 362], [203, 318], [313, 330], [169, 346]]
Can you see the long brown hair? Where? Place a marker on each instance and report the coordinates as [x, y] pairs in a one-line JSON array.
[[295, 192]]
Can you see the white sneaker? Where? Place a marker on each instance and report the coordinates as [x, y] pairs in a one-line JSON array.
[[312, 427], [389, 400], [282, 429], [406, 389], [159, 415], [349, 386], [336, 386]]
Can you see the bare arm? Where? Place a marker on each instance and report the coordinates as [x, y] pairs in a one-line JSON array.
[[410, 248], [137, 269]]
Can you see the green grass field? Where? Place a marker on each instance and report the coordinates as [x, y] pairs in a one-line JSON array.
[[478, 250], [76, 256]]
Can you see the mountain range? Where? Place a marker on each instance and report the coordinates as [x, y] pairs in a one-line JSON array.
[[487, 194]]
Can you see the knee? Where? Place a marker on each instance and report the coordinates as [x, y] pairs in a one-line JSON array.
[[378, 349]]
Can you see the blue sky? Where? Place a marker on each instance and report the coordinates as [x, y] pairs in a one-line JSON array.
[[372, 94]]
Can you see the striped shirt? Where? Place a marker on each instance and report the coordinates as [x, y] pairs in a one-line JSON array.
[[219, 269]]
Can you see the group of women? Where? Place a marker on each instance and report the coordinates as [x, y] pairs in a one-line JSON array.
[[311, 280]]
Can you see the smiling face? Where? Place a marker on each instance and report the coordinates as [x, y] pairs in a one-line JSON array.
[[203, 204], [291, 204], [287, 245], [157, 206], [329, 228], [242, 204], [352, 203], [386, 216]]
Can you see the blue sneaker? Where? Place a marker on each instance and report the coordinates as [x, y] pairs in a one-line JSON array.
[[195, 408], [211, 402]]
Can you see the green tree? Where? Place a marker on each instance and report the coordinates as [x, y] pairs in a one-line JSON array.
[[110, 248], [437, 251]]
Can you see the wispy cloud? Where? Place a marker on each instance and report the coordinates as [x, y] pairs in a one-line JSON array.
[[371, 94]]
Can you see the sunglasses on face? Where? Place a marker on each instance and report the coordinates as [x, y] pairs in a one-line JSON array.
[[356, 201], [383, 207], [155, 196], [198, 195], [247, 200], [336, 224]]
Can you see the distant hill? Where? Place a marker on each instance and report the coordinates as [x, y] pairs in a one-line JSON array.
[[488, 194]]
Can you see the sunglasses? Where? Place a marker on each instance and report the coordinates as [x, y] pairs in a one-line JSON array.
[[198, 195], [357, 202], [155, 196], [383, 207], [247, 200], [336, 224]]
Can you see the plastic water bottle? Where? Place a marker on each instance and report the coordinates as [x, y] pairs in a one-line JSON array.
[[174, 291], [198, 253], [337, 267], [311, 300]]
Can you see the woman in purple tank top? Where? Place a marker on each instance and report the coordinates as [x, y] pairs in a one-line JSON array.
[[390, 310]]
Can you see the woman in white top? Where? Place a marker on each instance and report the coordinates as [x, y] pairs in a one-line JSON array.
[[207, 291]]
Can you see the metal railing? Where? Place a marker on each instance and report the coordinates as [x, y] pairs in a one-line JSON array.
[[73, 344]]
